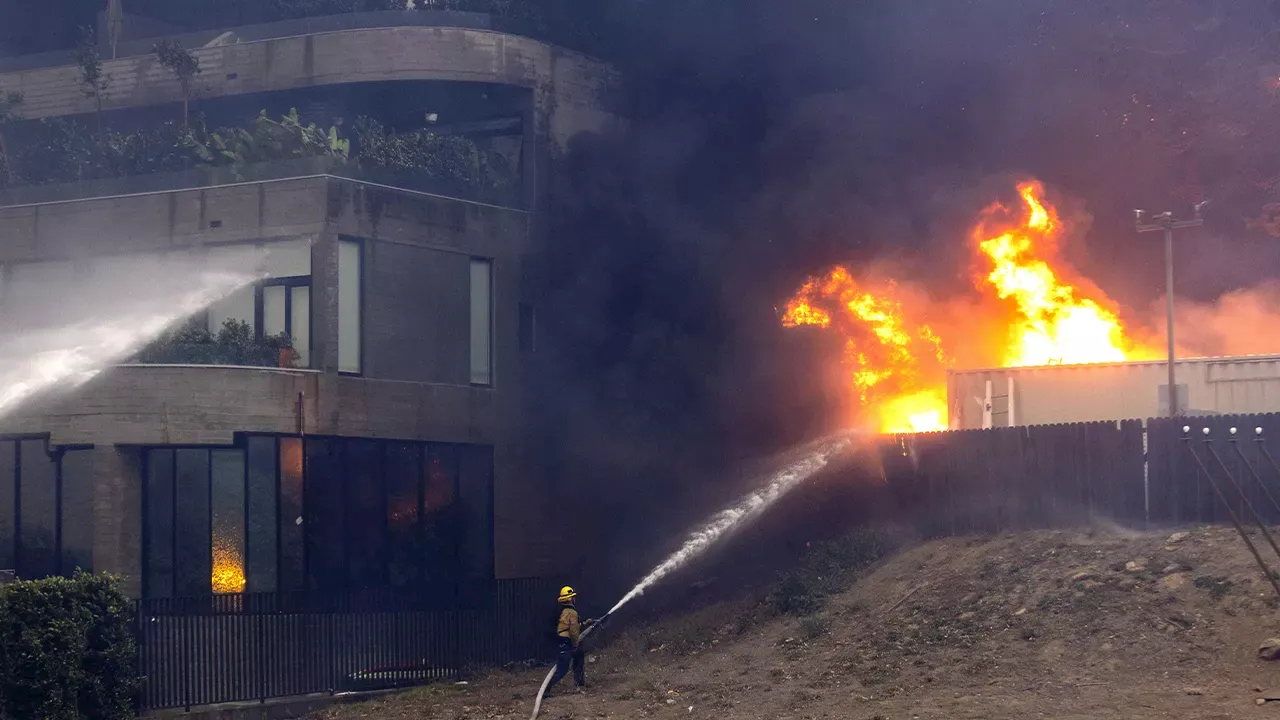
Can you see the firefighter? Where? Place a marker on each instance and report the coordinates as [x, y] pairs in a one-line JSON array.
[[569, 627]]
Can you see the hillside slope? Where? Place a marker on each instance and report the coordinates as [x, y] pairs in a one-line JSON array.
[[1046, 624]]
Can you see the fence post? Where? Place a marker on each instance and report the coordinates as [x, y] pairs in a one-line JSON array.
[[261, 642], [186, 661], [139, 658]]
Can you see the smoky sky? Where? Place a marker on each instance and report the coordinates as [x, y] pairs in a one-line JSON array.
[[767, 140]]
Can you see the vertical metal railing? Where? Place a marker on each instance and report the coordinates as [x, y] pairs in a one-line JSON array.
[[235, 648]]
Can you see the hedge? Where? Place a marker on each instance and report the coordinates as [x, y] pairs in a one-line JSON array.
[[67, 650]]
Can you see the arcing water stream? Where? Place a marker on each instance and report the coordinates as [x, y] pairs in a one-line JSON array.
[[58, 335], [740, 513], [813, 458]]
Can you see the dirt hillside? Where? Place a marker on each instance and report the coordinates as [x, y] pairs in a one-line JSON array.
[[1103, 624]]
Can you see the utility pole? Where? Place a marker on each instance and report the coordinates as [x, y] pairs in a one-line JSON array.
[[1165, 222]]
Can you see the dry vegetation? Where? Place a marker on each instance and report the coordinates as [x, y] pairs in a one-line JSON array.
[[1048, 624]]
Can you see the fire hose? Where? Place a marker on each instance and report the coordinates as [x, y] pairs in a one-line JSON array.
[[537, 703]]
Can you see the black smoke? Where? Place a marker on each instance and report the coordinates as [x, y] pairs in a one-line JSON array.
[[768, 139]]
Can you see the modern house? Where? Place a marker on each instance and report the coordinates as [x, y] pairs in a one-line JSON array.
[[389, 451]]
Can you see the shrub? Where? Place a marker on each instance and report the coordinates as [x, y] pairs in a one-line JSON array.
[[66, 650], [827, 568], [235, 344]]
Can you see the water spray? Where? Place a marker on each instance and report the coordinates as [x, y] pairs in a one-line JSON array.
[[722, 525], [60, 337]]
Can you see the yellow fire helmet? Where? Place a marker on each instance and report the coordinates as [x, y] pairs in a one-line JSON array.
[[567, 593]]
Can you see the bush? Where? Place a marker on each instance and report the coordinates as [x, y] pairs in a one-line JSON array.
[[66, 650], [235, 344], [827, 568], [60, 150]]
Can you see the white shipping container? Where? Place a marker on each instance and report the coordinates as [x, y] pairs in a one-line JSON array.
[[1005, 397]]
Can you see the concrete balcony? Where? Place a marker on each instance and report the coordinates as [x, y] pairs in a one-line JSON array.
[[208, 404], [342, 50]]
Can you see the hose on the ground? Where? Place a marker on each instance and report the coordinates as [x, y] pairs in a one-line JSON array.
[[537, 703]]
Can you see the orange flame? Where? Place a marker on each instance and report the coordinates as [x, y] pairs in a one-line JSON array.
[[897, 362], [228, 568], [1053, 324], [885, 350]]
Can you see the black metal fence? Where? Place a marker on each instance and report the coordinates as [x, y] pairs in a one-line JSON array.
[[229, 648]]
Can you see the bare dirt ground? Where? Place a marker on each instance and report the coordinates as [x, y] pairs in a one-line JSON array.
[[1103, 624]]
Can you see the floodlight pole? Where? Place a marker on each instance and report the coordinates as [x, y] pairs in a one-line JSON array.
[[1165, 222]]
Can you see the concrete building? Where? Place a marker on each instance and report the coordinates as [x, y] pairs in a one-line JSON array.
[[393, 452], [1007, 397]]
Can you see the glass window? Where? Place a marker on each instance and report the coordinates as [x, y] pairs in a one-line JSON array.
[[366, 513], [289, 258], [77, 511], [286, 308], [441, 522], [404, 508], [37, 511], [274, 308], [260, 541], [350, 274], [193, 566], [475, 470], [158, 552], [236, 306], [292, 530], [481, 322], [300, 323], [325, 515], [8, 510], [227, 516]]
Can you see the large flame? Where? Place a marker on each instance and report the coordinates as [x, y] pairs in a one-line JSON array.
[[888, 354], [896, 362], [228, 568], [1053, 324]]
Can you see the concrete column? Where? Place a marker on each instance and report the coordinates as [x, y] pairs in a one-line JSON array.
[[324, 301], [117, 514]]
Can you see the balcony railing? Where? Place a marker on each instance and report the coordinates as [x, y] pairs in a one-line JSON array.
[[263, 31], [204, 177]]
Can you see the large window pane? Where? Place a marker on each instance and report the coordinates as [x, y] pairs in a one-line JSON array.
[[300, 323], [37, 511], [260, 542], [193, 567], [228, 533], [8, 510], [326, 511], [236, 306], [366, 518], [481, 322], [77, 511], [290, 258], [158, 551], [350, 275], [476, 496], [441, 518], [274, 312], [293, 574], [404, 507]]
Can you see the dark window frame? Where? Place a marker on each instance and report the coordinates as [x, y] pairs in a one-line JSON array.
[[361, 243], [422, 452], [288, 283], [493, 320], [55, 453]]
